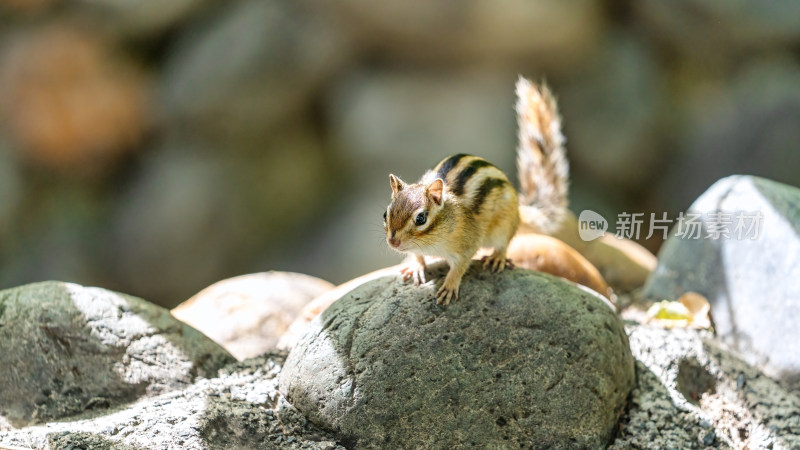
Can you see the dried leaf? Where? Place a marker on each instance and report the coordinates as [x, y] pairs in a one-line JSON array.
[[690, 310]]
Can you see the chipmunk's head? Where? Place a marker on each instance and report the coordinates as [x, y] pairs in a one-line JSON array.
[[412, 214]]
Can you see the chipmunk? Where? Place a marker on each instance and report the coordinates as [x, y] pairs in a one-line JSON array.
[[465, 203]]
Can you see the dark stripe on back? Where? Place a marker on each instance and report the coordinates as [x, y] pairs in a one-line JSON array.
[[448, 165], [466, 174], [483, 191]]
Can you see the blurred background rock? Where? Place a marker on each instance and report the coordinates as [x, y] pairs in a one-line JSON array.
[[157, 147]]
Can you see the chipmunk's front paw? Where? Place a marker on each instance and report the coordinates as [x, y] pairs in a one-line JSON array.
[[414, 272], [497, 262], [446, 293]]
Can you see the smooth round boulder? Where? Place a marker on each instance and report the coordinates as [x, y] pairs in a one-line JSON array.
[[521, 358], [249, 313]]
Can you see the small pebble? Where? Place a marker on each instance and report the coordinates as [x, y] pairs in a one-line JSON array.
[[705, 424], [709, 438], [740, 381]]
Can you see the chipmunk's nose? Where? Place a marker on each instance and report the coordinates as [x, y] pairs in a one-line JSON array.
[[394, 242]]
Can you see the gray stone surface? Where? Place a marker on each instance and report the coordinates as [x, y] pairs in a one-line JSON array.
[[239, 409], [521, 357], [68, 349], [692, 392], [751, 283]]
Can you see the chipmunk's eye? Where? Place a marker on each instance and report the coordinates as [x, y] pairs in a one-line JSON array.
[[384, 216], [421, 218]]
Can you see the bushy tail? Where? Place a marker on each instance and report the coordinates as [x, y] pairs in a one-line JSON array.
[[541, 159]]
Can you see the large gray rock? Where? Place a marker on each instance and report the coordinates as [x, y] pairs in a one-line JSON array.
[[521, 357], [752, 284], [67, 349], [240, 409]]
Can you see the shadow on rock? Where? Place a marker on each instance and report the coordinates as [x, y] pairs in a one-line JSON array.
[[69, 350]]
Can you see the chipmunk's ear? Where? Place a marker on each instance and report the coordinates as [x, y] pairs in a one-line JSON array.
[[396, 184], [436, 190]]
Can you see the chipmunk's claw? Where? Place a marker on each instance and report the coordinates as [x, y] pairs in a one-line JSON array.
[[414, 272], [445, 294], [496, 263]]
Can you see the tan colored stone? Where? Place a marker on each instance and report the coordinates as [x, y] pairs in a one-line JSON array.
[[624, 264], [248, 314]]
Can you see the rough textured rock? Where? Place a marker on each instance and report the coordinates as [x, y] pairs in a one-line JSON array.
[[240, 409], [248, 314], [69, 349], [550, 255], [693, 393], [315, 307], [521, 357], [750, 283]]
